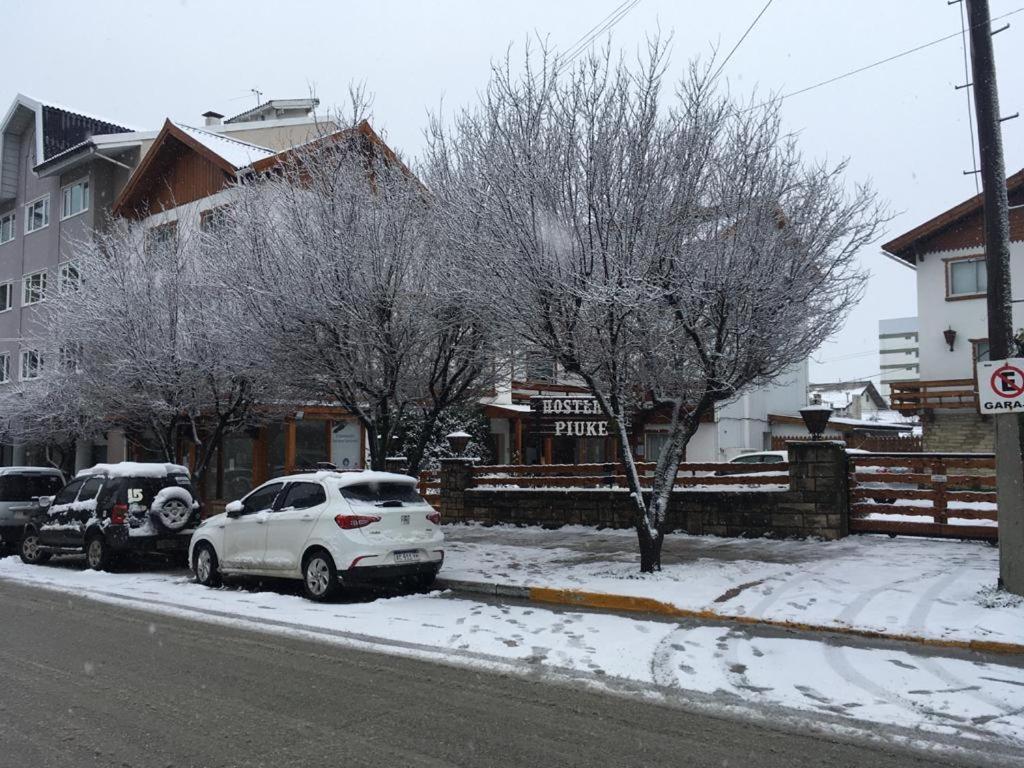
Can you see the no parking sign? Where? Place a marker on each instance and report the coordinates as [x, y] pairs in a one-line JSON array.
[[1001, 386]]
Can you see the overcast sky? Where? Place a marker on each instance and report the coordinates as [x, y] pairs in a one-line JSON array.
[[902, 124]]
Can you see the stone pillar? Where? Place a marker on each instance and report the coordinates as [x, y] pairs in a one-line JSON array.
[[456, 478], [18, 454], [398, 464], [819, 472]]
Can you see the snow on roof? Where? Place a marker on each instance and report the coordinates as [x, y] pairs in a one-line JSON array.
[[345, 479], [134, 469], [869, 424], [88, 115], [240, 154]]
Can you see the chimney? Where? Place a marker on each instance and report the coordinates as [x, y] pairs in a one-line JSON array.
[[213, 118]]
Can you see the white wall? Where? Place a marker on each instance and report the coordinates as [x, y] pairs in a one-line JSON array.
[[967, 317]]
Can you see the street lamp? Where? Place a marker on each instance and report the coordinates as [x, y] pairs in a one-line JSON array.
[[458, 441], [816, 419]]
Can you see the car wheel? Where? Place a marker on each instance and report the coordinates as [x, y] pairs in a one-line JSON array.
[[97, 554], [424, 580], [319, 576], [29, 550], [206, 569]]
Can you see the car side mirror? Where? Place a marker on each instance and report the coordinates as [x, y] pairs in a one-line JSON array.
[[234, 508], [45, 502]]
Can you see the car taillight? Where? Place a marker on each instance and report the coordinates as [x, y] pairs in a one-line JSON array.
[[117, 513], [348, 522], [435, 518]]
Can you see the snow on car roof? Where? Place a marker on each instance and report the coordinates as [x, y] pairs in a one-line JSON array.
[[344, 479], [134, 469]]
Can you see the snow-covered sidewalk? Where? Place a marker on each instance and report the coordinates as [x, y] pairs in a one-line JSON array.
[[913, 696], [928, 588]]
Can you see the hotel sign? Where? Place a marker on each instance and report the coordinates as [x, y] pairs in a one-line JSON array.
[[569, 416]]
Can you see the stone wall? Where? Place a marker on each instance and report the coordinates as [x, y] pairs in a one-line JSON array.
[[958, 432], [814, 504]]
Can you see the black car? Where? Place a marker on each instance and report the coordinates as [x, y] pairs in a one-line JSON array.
[[20, 491], [113, 509]]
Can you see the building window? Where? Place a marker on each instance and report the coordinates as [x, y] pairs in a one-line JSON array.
[[33, 289], [6, 296], [71, 358], [74, 199], [5, 367], [37, 214], [31, 364], [966, 277], [68, 277], [213, 219], [161, 236], [980, 350], [7, 228]]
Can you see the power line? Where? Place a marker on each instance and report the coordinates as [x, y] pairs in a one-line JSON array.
[[610, 21], [970, 110], [590, 31], [740, 41], [878, 63]]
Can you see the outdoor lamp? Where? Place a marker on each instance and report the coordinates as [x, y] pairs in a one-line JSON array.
[[950, 336], [458, 441], [816, 418]]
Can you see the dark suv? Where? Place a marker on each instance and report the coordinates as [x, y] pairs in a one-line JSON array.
[[113, 509], [20, 491]]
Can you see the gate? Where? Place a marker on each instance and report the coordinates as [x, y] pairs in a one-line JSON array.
[[927, 494]]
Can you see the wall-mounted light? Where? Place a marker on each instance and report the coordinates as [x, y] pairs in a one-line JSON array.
[[950, 336]]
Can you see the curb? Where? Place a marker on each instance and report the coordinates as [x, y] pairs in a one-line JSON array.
[[629, 604]]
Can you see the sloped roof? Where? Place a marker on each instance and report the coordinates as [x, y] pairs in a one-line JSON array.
[[229, 155], [237, 153], [902, 247], [57, 129], [841, 393]]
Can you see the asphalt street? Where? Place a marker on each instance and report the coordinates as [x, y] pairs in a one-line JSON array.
[[84, 683]]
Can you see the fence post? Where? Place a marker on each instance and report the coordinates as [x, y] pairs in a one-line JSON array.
[[820, 471], [398, 464], [456, 477], [940, 480]]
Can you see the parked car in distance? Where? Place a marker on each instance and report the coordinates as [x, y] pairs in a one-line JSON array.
[[20, 491], [325, 528], [113, 509], [761, 461], [754, 463]]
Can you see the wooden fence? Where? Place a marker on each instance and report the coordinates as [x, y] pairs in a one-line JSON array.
[[873, 443], [613, 475], [944, 495]]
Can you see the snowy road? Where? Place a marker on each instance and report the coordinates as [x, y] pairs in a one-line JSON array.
[[898, 692], [129, 688]]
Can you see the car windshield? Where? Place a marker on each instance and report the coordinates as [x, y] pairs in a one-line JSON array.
[[377, 493], [755, 459], [27, 487]]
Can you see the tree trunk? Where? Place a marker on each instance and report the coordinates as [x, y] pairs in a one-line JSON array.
[[650, 548]]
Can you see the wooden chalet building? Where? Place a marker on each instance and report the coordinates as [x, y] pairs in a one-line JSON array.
[[187, 174]]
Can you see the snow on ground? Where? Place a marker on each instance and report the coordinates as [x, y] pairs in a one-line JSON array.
[[857, 686], [923, 587]]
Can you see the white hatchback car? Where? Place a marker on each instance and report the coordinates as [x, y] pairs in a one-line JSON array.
[[325, 528]]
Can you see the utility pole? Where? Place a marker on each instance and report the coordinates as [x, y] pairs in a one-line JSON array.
[[1009, 448]]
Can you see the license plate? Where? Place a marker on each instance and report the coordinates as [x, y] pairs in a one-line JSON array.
[[167, 544], [411, 556]]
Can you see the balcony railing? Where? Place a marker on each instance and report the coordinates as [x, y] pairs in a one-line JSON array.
[[916, 396]]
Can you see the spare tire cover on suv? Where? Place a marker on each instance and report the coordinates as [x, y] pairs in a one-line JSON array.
[[172, 508]]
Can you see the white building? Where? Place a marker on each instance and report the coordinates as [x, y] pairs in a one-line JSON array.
[[947, 252], [898, 355], [849, 399]]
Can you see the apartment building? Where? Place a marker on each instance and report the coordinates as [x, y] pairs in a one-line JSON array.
[[899, 358], [61, 172]]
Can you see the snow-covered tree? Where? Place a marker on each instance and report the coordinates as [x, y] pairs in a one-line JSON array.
[[350, 297], [143, 339], [669, 252]]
